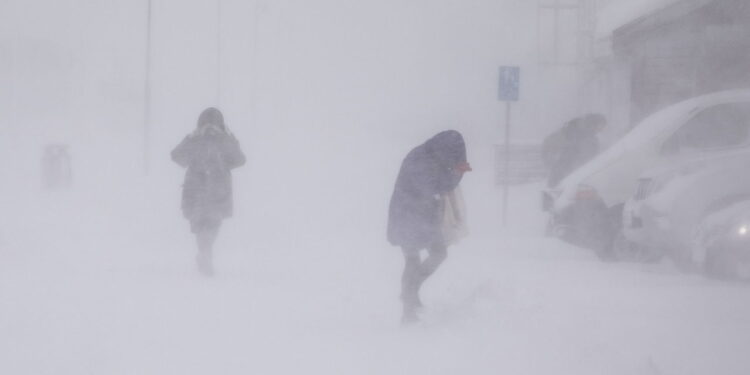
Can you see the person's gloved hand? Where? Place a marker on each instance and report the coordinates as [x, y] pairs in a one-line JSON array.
[[463, 167]]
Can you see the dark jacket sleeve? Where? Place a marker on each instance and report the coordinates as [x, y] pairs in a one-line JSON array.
[[552, 150], [181, 154], [233, 155]]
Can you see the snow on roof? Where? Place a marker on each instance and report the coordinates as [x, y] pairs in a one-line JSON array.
[[619, 14]]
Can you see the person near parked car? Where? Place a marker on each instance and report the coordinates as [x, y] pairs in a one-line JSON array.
[[428, 174], [572, 146], [209, 153]]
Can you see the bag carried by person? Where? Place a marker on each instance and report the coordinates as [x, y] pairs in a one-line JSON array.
[[454, 226]]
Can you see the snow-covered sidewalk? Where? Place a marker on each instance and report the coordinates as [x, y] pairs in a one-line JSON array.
[[111, 289]]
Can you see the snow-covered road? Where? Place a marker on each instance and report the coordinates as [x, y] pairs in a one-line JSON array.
[[109, 288]]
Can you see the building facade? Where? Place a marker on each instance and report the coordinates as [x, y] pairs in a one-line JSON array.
[[691, 48], [675, 50]]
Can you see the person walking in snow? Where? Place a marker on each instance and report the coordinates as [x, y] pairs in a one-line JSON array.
[[572, 146], [428, 175], [209, 153]]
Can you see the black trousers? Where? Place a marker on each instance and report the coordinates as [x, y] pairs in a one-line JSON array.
[[206, 230], [416, 271]]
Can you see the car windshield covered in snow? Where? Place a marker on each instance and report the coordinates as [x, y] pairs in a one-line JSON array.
[[722, 126]]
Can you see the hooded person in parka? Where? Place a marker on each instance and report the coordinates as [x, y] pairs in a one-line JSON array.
[[209, 154], [416, 210], [573, 145]]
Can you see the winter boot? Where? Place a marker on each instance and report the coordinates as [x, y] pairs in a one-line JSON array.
[[413, 300], [412, 305], [409, 316], [205, 264]]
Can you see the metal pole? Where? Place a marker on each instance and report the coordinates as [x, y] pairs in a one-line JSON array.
[[147, 95], [506, 178], [556, 55], [540, 58], [218, 52], [14, 69], [254, 61]]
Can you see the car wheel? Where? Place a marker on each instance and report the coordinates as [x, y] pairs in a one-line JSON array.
[[598, 235], [549, 227], [717, 264], [610, 231], [624, 250], [742, 270], [725, 263], [683, 261]]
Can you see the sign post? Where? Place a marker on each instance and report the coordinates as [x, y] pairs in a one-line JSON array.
[[509, 90], [147, 93]]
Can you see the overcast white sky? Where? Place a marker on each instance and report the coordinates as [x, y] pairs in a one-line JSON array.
[[287, 65], [318, 92]]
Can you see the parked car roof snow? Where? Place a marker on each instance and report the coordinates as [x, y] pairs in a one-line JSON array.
[[638, 143]]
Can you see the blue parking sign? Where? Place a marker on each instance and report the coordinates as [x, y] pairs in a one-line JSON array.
[[510, 82]]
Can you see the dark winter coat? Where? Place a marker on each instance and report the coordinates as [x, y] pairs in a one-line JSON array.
[[414, 217], [569, 148], [209, 155]]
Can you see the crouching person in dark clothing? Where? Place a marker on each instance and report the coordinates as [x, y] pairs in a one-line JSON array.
[[572, 146], [416, 213], [209, 154]]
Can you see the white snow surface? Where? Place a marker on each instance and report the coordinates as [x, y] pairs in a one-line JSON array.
[[110, 288]]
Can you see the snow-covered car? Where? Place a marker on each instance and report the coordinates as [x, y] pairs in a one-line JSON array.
[[586, 207], [723, 242], [670, 202]]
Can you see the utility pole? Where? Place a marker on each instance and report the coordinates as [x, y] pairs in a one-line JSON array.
[[218, 52], [259, 8], [14, 70], [147, 94], [506, 167], [509, 91]]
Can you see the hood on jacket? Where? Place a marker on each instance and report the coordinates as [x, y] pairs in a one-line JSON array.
[[211, 116], [588, 124], [448, 148]]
